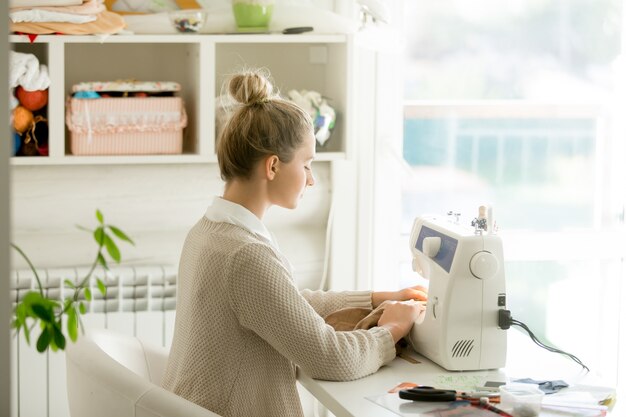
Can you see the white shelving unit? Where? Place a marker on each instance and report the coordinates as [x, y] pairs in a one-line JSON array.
[[160, 196], [200, 63]]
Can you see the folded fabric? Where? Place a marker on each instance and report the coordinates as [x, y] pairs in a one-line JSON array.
[[127, 86], [31, 3], [346, 319], [39, 16], [106, 23], [358, 318], [88, 7], [24, 70], [549, 387]]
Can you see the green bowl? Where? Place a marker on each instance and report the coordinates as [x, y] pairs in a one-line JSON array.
[[252, 16]]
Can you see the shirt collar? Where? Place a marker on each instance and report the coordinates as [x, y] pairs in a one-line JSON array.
[[225, 211]]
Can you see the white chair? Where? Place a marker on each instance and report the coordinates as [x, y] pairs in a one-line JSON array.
[[109, 374]]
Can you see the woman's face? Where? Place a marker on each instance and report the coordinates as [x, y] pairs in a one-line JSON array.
[[293, 177]]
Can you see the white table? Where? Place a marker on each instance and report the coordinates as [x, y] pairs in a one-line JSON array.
[[524, 360]]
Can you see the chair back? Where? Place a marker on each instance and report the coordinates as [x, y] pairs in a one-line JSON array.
[[109, 374]]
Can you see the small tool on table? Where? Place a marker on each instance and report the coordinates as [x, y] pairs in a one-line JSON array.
[[427, 393], [431, 394], [424, 393], [296, 30]]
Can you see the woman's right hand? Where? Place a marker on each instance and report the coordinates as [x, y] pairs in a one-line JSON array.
[[398, 317]]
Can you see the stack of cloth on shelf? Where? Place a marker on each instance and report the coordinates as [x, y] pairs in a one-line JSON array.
[[29, 82], [69, 17]]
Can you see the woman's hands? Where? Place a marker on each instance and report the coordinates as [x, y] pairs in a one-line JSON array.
[[417, 292], [402, 309], [398, 317]]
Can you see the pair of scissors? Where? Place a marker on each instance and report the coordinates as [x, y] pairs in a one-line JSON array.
[[425, 393]]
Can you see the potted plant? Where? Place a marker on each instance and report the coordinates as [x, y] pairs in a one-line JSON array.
[[60, 319]]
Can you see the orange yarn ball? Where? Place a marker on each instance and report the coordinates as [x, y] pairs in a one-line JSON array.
[[32, 100], [22, 119]]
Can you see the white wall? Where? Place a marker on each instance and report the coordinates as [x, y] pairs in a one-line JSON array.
[[5, 373], [155, 204]]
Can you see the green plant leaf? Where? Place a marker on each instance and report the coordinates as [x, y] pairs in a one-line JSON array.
[[42, 312], [31, 298], [59, 338], [43, 341], [20, 314], [101, 287], [121, 235], [69, 283], [112, 248], [82, 308], [16, 324], [99, 216], [87, 294], [98, 235], [102, 261], [26, 333], [72, 324], [83, 228]]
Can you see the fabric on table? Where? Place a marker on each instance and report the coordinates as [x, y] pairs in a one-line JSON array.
[[548, 387], [359, 318]]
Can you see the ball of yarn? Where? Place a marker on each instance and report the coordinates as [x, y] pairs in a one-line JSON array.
[[32, 100], [17, 142], [22, 119]]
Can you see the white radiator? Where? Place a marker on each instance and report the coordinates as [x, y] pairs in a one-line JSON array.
[[140, 301]]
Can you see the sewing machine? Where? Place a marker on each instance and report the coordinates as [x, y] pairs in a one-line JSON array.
[[459, 330]]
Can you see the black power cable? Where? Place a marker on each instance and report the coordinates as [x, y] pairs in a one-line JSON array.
[[505, 320]]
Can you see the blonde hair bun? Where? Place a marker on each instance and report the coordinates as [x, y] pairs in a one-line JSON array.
[[251, 87], [261, 124]]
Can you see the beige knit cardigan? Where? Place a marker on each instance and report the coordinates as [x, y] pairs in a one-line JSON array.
[[242, 327]]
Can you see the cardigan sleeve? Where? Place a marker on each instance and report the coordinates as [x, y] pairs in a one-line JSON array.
[[265, 300], [326, 302]]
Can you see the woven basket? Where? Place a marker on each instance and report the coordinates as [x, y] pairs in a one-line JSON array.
[[126, 125]]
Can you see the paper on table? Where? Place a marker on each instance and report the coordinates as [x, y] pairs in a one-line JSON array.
[[586, 394], [405, 408], [577, 401], [573, 410], [460, 382]]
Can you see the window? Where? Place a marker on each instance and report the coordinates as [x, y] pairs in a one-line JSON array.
[[521, 107]]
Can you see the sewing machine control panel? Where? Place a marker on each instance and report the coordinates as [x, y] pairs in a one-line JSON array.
[[438, 246]]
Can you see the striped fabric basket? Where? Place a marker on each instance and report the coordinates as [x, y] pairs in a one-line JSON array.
[[126, 125]]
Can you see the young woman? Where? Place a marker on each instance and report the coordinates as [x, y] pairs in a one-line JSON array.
[[242, 326]]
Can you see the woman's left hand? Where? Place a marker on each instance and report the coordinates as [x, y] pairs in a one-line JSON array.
[[417, 292]]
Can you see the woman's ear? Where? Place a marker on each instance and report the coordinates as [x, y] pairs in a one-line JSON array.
[[271, 166]]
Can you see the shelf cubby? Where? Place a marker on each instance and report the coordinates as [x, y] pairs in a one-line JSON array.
[[200, 64]]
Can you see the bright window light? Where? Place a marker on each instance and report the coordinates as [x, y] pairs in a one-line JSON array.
[[521, 107]]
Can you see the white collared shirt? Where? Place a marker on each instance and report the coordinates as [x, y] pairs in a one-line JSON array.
[[225, 211]]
